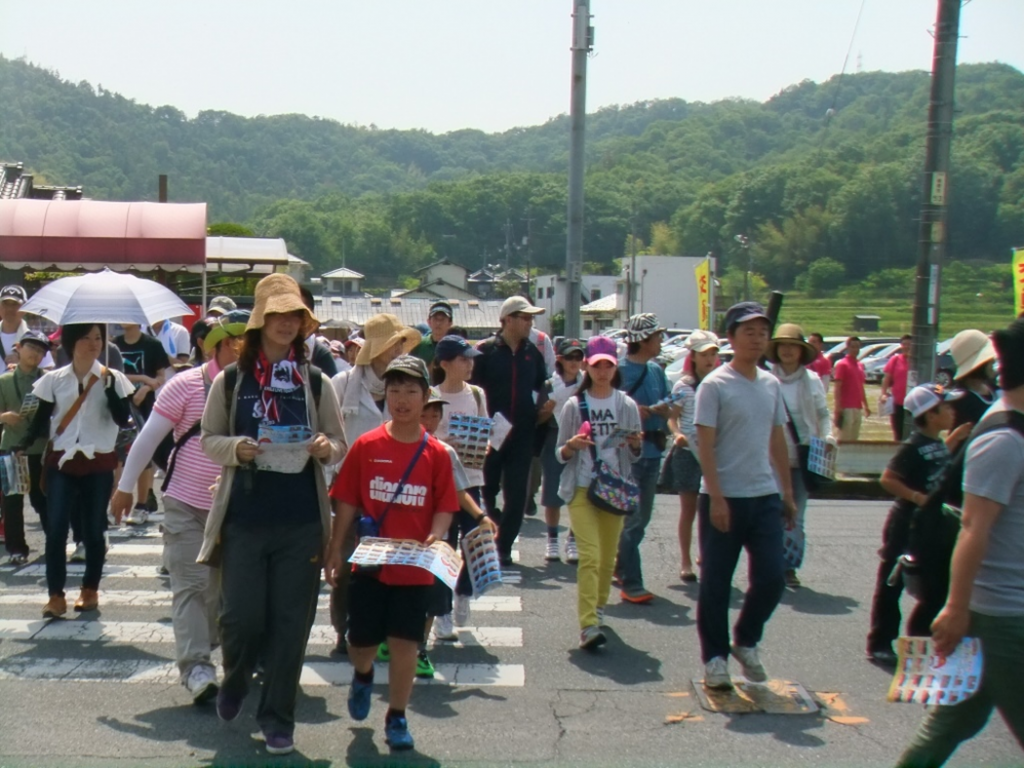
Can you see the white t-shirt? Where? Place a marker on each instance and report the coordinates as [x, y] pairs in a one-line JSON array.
[[175, 339], [462, 402], [561, 392], [604, 418]]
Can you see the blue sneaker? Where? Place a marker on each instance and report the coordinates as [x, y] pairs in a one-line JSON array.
[[396, 733], [360, 696]]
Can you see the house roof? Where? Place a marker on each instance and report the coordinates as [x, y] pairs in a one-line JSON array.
[[477, 314], [607, 303], [442, 262], [256, 255], [343, 272], [438, 289]]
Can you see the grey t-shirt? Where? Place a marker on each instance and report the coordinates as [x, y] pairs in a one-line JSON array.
[[995, 471], [743, 413], [458, 469]]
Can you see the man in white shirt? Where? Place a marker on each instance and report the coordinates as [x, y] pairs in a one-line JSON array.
[[175, 339], [13, 326]]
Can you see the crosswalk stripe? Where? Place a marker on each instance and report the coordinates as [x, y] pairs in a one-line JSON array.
[[147, 598], [313, 673], [37, 570], [149, 632]]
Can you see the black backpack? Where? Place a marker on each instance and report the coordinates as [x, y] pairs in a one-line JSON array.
[[933, 531]]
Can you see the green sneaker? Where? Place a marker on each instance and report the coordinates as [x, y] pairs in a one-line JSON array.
[[424, 668], [383, 654]]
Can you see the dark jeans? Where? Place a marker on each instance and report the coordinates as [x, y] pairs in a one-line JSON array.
[[755, 524], [946, 727], [628, 566], [885, 604], [508, 470], [896, 421], [270, 576], [90, 495], [14, 508]]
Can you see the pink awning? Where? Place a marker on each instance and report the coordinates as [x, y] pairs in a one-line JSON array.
[[68, 234]]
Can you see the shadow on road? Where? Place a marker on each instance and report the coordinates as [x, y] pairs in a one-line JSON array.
[[436, 701], [618, 662], [660, 611], [806, 600], [363, 753], [789, 729]]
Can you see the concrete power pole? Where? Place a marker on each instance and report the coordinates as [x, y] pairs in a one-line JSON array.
[[582, 40], [933, 235]]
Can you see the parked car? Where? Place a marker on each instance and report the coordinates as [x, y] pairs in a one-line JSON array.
[[874, 365], [945, 368], [839, 349]]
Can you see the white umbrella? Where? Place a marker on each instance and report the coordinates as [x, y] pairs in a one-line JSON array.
[[105, 297]]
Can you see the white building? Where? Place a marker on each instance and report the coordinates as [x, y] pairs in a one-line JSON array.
[[664, 285], [549, 292]]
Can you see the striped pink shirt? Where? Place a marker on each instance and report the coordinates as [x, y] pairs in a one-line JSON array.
[[182, 400]]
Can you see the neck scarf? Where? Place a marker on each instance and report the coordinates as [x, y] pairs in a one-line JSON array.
[[374, 383], [805, 399], [275, 378]]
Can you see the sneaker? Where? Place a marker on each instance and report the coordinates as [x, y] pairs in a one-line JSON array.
[[753, 669], [792, 580], [341, 647], [78, 556], [591, 637], [883, 656], [151, 502], [444, 630], [17, 559], [424, 667], [572, 555], [505, 561], [637, 596], [396, 733], [716, 674], [600, 616], [138, 516], [279, 743], [360, 696], [228, 706], [201, 683], [551, 553], [383, 653], [460, 613]]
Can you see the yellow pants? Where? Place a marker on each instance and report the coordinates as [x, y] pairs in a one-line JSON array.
[[597, 539]]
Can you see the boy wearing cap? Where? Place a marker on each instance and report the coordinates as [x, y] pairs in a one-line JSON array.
[[403, 479], [741, 442], [439, 320], [645, 382], [512, 372], [14, 386], [986, 594], [913, 473], [13, 326]]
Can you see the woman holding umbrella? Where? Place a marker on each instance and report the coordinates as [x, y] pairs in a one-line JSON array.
[[270, 517], [81, 408]]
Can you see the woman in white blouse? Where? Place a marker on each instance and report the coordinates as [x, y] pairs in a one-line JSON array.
[[804, 397], [81, 408]]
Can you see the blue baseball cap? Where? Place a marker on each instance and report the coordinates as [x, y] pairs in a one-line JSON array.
[[452, 346], [744, 312]]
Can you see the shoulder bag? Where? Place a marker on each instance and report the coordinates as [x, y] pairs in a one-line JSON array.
[[609, 491], [78, 465], [812, 480]]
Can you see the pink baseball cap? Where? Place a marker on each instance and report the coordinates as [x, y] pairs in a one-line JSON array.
[[602, 348]]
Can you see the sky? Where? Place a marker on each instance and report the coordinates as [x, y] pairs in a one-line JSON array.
[[443, 65]]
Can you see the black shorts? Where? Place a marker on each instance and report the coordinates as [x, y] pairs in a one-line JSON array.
[[440, 601], [377, 611]]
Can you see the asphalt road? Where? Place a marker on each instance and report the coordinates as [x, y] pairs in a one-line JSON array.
[[544, 703]]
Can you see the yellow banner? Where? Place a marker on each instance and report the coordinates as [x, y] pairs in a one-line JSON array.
[[703, 275], [1018, 280]]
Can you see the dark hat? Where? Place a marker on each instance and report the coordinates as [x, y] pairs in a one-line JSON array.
[[452, 346], [1009, 345], [744, 312], [441, 306], [570, 345], [13, 293], [35, 337], [409, 365]]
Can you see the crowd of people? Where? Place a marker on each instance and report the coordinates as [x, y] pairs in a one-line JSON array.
[[279, 451]]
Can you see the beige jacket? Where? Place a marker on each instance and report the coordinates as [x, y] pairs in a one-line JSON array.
[[219, 444]]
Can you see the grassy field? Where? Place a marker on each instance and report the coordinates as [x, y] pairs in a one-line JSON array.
[[834, 317]]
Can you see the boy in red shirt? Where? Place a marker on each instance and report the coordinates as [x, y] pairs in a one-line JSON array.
[[391, 604], [848, 375]]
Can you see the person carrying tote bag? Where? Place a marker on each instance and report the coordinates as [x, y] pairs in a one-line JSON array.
[[582, 448]]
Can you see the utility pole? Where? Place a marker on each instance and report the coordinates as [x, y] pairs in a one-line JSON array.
[[582, 41], [528, 242], [935, 197], [631, 286], [508, 244]]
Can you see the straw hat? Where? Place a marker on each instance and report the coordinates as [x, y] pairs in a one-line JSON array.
[[971, 349], [381, 332], [791, 333], [279, 294]]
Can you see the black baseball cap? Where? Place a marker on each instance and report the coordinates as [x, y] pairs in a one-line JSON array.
[[566, 346], [35, 337], [744, 312], [441, 306]]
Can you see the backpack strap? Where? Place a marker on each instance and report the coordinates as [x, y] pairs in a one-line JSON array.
[[479, 399]]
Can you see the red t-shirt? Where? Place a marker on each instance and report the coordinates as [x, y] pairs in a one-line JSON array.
[[821, 365], [369, 476], [897, 368], [851, 391]]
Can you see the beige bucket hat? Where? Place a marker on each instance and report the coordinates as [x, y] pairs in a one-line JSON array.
[[278, 295], [791, 333], [971, 349], [381, 332]]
